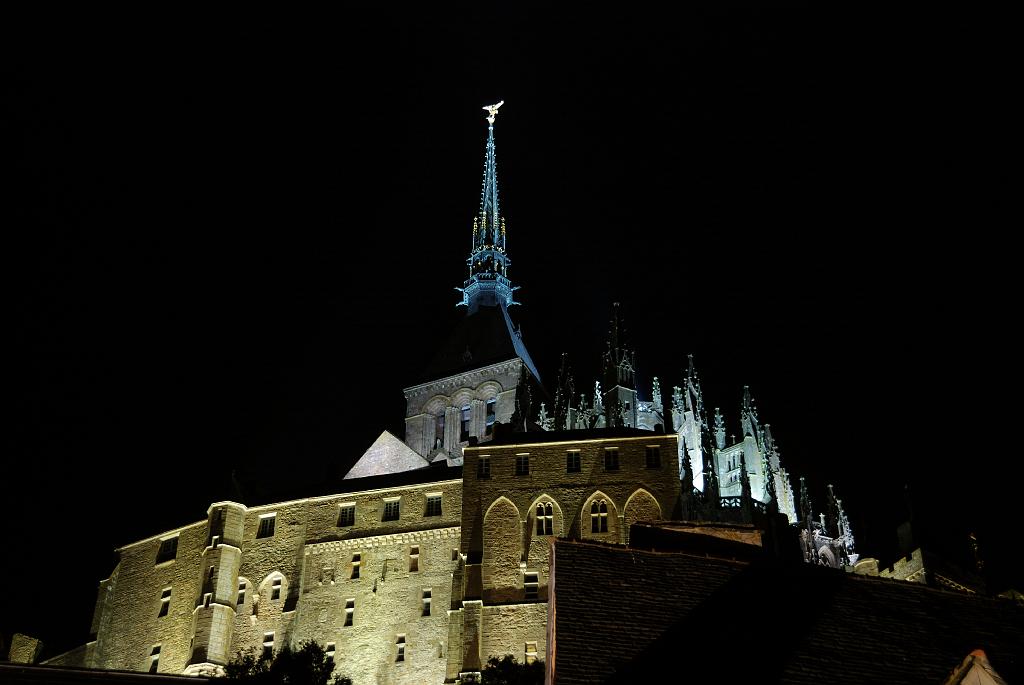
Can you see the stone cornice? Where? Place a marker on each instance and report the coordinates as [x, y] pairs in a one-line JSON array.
[[384, 540], [463, 379]]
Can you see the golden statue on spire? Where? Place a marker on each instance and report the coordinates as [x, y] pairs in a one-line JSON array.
[[493, 112]]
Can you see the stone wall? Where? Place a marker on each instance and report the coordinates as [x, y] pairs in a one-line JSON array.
[[487, 531], [387, 602], [447, 396], [210, 619], [128, 621]]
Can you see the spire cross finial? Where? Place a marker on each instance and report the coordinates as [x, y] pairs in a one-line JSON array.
[[492, 112]]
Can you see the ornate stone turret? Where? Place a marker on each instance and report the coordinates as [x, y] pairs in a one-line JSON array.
[[564, 415], [619, 375], [719, 430], [748, 415], [689, 421], [488, 263]]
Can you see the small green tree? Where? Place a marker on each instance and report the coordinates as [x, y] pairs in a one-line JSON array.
[[307, 665], [508, 671]]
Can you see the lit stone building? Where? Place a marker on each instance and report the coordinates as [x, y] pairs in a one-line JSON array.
[[433, 554]]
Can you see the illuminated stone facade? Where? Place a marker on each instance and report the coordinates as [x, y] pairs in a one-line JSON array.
[[433, 553]]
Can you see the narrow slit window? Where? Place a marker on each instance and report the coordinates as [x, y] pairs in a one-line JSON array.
[[400, 648], [467, 413], [275, 589], [154, 659], [165, 602], [531, 584], [483, 468], [241, 594], [357, 561], [653, 457], [268, 646], [531, 652], [350, 611], [439, 430], [414, 559], [426, 602], [330, 654], [491, 416]]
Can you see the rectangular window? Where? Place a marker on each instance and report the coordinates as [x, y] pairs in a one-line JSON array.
[[275, 589], [653, 457], [400, 648], [433, 505], [414, 559], [347, 515], [464, 430], [572, 461], [168, 550], [391, 509], [531, 652], [439, 430], [330, 654], [266, 529], [165, 602], [268, 646], [455, 554], [483, 468], [241, 594], [611, 459], [522, 464], [530, 585], [357, 560], [426, 602], [350, 611], [491, 416], [154, 659]]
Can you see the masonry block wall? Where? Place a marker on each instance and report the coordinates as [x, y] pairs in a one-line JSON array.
[[517, 498], [240, 581], [133, 625], [407, 583], [592, 486], [426, 404]]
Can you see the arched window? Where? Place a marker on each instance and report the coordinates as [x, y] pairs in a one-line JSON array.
[[545, 518], [599, 517]]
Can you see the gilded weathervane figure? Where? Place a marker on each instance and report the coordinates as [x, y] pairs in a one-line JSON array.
[[493, 112]]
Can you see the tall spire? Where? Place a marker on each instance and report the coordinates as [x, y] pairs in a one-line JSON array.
[[488, 283]]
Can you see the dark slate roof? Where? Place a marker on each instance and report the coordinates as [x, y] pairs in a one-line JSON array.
[[625, 615], [489, 337], [287, 491]]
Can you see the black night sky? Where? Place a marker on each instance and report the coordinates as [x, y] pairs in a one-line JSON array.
[[230, 241]]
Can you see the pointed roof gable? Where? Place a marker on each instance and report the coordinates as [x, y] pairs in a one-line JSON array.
[[386, 455]]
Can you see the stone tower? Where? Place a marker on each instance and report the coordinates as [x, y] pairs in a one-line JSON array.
[[483, 372]]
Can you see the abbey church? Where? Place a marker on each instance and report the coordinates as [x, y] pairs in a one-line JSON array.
[[435, 552]]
